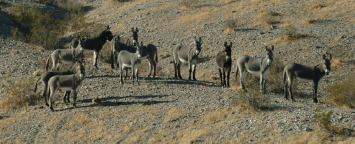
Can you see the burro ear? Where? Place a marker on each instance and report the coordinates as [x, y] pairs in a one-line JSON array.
[[132, 29], [272, 47], [230, 44], [266, 48], [108, 27], [137, 29], [200, 39], [225, 44]]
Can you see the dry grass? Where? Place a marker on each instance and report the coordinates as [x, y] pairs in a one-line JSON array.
[[268, 17], [324, 123], [195, 18], [216, 116], [45, 28], [189, 136], [105, 54], [337, 63], [174, 114], [251, 102], [342, 93], [19, 93], [230, 25], [187, 4], [290, 34]]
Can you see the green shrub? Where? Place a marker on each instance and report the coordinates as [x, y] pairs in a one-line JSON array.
[[323, 120]]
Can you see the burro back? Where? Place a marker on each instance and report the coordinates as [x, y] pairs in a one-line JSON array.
[[257, 66], [187, 54]]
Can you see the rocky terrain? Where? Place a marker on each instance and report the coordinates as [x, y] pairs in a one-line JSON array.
[[164, 110]]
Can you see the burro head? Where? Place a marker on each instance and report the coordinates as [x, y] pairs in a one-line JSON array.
[[139, 49], [198, 44], [228, 48], [107, 34], [135, 35], [269, 54], [327, 57]]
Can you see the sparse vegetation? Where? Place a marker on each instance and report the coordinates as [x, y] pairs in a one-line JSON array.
[[323, 120], [252, 101], [268, 17], [44, 27], [187, 3], [230, 25], [105, 54], [290, 34], [275, 77], [19, 93], [343, 93]]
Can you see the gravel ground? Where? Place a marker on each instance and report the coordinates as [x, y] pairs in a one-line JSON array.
[[164, 110]]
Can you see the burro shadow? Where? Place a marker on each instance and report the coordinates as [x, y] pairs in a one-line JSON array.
[[182, 81], [118, 101], [133, 100]]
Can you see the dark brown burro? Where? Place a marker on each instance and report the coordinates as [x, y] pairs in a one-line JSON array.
[[95, 43], [224, 63], [313, 73]]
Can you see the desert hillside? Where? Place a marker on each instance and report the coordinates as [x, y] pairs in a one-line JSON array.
[[166, 110]]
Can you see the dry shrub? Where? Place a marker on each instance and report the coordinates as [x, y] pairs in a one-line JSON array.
[[343, 93], [268, 17], [275, 77], [230, 25], [105, 54], [337, 63], [323, 120], [44, 27], [195, 135], [188, 3], [173, 114], [252, 101], [19, 93], [195, 18], [216, 116], [290, 34]]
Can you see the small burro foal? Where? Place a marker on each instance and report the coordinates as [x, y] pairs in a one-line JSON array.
[[256, 66], [224, 63], [187, 54], [126, 59], [69, 82], [314, 73]]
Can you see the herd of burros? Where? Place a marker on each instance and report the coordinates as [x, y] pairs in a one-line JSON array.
[[126, 54]]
